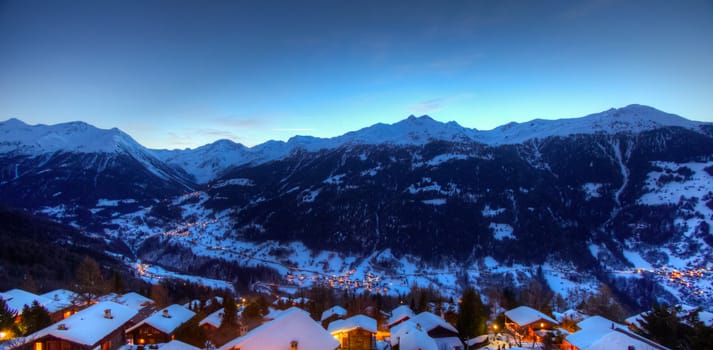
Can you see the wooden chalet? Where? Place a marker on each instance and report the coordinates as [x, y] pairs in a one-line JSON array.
[[527, 322], [443, 334], [100, 326], [354, 333], [159, 327]]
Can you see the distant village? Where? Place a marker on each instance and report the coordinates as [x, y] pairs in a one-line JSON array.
[[67, 320]]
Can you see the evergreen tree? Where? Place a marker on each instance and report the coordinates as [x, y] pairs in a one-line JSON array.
[[472, 315], [117, 282], [230, 312], [34, 318], [7, 319]]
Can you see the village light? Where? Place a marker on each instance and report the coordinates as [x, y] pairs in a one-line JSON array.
[[542, 325], [2, 335]]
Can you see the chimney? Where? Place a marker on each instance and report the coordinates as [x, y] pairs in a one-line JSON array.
[[293, 345], [56, 297], [62, 327], [107, 314], [165, 313]]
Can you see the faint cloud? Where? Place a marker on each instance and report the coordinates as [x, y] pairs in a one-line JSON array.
[[436, 104], [428, 106], [239, 122]]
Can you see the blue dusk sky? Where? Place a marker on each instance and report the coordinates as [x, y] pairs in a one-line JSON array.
[[177, 74]]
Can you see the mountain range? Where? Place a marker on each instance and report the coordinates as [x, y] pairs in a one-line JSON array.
[[621, 197]]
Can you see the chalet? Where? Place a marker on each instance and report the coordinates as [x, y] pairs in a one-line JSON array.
[[159, 327], [16, 299], [597, 333], [525, 321], [411, 336], [292, 329], [135, 301], [333, 313], [354, 333], [399, 314], [212, 322], [63, 303], [442, 332], [100, 326]]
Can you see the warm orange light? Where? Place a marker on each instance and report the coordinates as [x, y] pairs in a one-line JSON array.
[[495, 326], [38, 346], [542, 325], [2, 335]]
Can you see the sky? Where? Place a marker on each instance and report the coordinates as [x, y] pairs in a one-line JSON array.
[[178, 74]]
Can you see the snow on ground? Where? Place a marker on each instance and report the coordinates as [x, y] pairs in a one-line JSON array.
[[566, 280], [502, 231], [669, 185], [592, 190], [235, 182], [153, 274], [636, 260], [489, 212], [435, 201], [334, 179]]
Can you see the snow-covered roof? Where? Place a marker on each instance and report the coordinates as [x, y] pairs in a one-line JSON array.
[[273, 313], [448, 343], [133, 300], [600, 333], [410, 337], [358, 321], [178, 345], [570, 314], [400, 313], [214, 319], [293, 324], [598, 322], [89, 326], [59, 299], [426, 321], [167, 319], [618, 340], [524, 315], [16, 299], [477, 340], [334, 310]]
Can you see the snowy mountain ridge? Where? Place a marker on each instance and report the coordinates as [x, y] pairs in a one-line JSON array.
[[207, 162], [79, 137]]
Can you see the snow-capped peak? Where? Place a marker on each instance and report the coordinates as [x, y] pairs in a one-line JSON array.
[[79, 137], [630, 119]]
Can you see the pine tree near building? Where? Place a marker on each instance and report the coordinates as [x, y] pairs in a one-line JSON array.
[[7, 320], [472, 315], [230, 311], [34, 318]]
